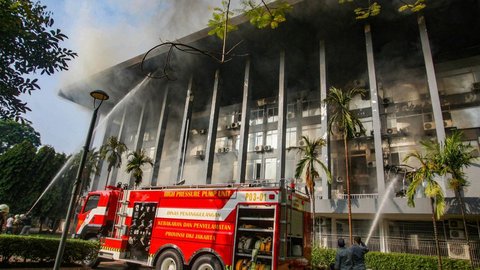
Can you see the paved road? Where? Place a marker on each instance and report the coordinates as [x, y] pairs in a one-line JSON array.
[[102, 266]]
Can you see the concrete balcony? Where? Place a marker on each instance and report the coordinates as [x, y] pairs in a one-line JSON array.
[[370, 204]]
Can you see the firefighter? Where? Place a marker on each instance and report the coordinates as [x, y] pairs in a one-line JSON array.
[[4, 209]]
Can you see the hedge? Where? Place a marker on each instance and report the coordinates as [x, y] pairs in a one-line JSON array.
[[374, 260], [35, 249]]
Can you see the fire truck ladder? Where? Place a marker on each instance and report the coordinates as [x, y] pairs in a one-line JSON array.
[[122, 206], [286, 205]]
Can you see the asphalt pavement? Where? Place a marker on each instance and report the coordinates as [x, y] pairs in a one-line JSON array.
[[102, 266]]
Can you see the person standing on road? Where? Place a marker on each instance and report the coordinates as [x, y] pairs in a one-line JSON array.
[[358, 250], [27, 224], [9, 225], [4, 209], [343, 259]]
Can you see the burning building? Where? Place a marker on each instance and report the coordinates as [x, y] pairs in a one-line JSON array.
[[208, 122]]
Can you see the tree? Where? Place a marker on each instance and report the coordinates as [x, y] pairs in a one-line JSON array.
[[16, 177], [112, 151], [454, 156], [28, 45], [425, 176], [307, 166], [90, 168], [348, 125], [135, 162], [44, 196], [12, 133]]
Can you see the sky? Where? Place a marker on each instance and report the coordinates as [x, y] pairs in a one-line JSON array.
[[103, 33]]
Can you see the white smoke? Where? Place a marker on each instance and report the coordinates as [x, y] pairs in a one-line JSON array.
[[105, 33]]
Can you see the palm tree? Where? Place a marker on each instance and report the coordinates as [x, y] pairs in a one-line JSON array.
[[135, 162], [425, 176], [307, 166], [90, 168], [348, 124], [112, 150], [454, 156]]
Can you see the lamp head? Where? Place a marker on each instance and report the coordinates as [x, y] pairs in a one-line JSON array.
[[99, 94]]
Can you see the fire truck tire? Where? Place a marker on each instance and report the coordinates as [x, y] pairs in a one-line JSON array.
[[93, 261], [207, 262], [169, 260]]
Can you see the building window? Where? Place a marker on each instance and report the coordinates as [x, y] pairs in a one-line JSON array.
[[271, 139], [256, 117], [311, 108], [272, 115], [270, 168], [291, 137]]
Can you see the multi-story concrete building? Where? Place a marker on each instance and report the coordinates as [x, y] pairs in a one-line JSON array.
[[208, 122]]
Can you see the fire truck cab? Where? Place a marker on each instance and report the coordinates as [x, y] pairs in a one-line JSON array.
[[259, 225]]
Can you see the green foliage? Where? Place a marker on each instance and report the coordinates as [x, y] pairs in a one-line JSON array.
[[90, 169], [322, 257], [135, 162], [370, 11], [12, 133], [16, 176], [112, 151], [455, 156], [415, 7], [40, 249], [310, 154], [259, 14], [425, 175], [28, 45], [217, 22], [340, 116], [361, 13], [26, 173], [440, 159], [263, 16]]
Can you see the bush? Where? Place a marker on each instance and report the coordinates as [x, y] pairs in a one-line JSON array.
[[322, 257], [43, 250]]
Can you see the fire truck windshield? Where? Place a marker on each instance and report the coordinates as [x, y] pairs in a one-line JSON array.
[[91, 203]]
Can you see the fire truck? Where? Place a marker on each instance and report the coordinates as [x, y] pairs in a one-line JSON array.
[[258, 225]]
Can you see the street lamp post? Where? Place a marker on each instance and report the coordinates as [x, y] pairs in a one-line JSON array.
[[100, 96]]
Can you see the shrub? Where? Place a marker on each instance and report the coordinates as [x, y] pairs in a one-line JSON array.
[[43, 250], [322, 257]]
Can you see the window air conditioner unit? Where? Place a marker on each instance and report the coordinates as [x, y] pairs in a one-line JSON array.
[[267, 148], [258, 148], [429, 125], [448, 123], [223, 150], [457, 234], [458, 251], [455, 224]]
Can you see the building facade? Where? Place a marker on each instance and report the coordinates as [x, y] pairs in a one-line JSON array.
[[208, 122]]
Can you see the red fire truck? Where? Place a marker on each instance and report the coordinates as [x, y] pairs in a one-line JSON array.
[[259, 226]]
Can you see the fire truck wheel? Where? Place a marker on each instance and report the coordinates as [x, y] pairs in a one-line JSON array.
[[92, 260], [207, 262], [169, 260]]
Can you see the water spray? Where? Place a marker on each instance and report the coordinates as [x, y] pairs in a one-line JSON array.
[[386, 195], [128, 96], [59, 173]]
